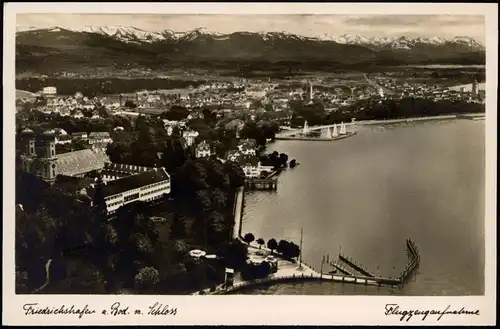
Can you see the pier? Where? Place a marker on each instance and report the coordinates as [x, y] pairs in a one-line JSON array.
[[292, 271], [261, 184], [341, 269], [355, 266]]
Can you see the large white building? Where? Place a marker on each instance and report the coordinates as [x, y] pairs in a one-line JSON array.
[[114, 171], [49, 91], [146, 186]]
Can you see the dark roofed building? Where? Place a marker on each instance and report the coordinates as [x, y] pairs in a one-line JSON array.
[[146, 186], [81, 162], [113, 171], [79, 135]]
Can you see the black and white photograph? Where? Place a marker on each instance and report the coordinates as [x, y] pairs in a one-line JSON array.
[[279, 154]]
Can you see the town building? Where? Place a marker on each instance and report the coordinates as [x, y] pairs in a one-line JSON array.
[[190, 136], [49, 91], [100, 137], [114, 171], [250, 166], [63, 139], [247, 147], [146, 186], [203, 150], [79, 135], [39, 158]]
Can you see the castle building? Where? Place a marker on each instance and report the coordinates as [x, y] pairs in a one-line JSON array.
[[114, 171], [147, 186], [39, 158]]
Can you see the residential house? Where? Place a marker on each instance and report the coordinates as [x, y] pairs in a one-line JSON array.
[[190, 136], [63, 139], [79, 135], [100, 137], [203, 150], [250, 166]]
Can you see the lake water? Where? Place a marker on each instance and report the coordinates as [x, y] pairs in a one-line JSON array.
[[364, 195]]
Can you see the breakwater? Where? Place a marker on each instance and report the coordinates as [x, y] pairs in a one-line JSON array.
[[320, 139], [355, 266]]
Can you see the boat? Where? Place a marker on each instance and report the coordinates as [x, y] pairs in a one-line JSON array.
[[335, 133], [342, 129], [293, 163]]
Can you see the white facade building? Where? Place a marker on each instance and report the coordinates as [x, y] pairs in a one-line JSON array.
[[49, 91], [189, 136], [147, 187], [203, 150]]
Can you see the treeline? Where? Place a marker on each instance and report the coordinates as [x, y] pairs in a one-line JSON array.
[[130, 252], [90, 255], [91, 87], [275, 159]]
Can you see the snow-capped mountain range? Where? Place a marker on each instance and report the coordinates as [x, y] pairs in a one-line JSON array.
[[129, 34]]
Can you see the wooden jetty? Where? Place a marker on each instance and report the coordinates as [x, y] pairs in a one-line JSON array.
[[414, 261], [340, 268], [355, 266], [261, 184]]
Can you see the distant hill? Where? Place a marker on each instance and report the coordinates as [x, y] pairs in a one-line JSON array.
[[59, 49]]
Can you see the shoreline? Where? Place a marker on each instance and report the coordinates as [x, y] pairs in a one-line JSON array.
[[413, 119], [288, 134]]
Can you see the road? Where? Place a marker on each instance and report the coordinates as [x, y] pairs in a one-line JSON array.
[[376, 85], [238, 213]]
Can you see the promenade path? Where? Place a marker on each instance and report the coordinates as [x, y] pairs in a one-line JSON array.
[[47, 277]]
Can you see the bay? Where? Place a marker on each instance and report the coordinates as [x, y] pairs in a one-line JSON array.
[[365, 194]]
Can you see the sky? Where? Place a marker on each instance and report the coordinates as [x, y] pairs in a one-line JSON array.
[[446, 26]]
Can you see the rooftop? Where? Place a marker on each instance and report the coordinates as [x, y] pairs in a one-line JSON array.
[[79, 162], [133, 182]]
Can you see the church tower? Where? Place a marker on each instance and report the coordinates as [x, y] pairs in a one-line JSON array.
[[49, 170], [28, 153]]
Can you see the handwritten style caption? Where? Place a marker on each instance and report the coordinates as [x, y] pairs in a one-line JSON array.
[[116, 309], [423, 314]]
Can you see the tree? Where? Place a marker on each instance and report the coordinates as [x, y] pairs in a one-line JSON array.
[[130, 104], [78, 144], [249, 238], [272, 244], [261, 242], [176, 113], [147, 278]]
